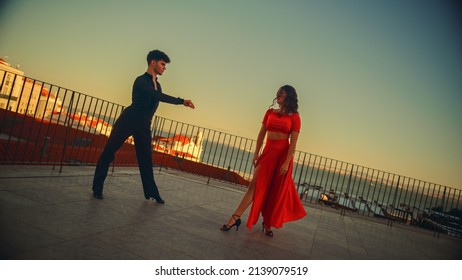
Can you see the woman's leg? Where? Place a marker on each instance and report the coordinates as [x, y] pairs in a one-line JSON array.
[[247, 199]]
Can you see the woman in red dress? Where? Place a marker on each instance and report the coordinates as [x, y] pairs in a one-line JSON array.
[[272, 189]]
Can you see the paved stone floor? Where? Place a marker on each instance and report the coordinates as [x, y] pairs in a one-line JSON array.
[[45, 214]]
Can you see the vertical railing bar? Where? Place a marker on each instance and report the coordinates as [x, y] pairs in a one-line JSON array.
[[412, 194], [88, 124], [387, 189], [216, 148], [14, 115], [323, 168], [221, 150], [211, 148], [396, 192], [10, 96], [58, 122], [297, 166], [404, 191], [333, 176], [100, 133], [350, 178], [421, 195], [374, 198], [312, 170], [191, 137], [340, 171], [451, 197], [437, 196], [342, 186], [232, 154], [238, 151], [306, 174], [81, 132], [226, 154], [166, 146], [243, 155], [26, 116], [365, 182], [66, 122], [400, 190], [355, 178], [40, 125], [457, 205], [301, 171], [247, 161], [328, 171], [427, 194], [91, 133], [51, 120], [373, 179], [432, 196]]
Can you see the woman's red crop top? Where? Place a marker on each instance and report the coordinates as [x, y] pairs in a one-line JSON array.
[[281, 123]]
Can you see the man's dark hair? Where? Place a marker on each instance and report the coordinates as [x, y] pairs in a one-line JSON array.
[[157, 55]]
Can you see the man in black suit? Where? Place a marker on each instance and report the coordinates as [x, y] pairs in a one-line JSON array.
[[136, 120]]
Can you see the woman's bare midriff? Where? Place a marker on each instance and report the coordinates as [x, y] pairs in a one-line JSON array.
[[276, 135]]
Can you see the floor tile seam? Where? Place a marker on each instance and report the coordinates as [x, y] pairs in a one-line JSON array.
[[360, 239], [316, 231]]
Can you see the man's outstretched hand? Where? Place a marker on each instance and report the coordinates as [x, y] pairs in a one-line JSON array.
[[188, 103]]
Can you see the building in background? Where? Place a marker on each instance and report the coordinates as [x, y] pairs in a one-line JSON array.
[[180, 146], [11, 80]]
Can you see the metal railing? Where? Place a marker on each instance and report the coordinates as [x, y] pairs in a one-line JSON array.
[[41, 123]]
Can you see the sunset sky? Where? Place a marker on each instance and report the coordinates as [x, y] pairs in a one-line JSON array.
[[378, 81]]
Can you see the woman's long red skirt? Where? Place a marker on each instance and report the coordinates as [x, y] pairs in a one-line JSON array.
[[275, 195]]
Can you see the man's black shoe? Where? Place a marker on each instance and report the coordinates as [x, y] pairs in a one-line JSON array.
[[158, 199], [98, 195]]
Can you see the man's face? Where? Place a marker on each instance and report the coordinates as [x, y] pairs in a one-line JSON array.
[[159, 66]]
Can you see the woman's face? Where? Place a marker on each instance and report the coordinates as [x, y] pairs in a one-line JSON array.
[[281, 97]]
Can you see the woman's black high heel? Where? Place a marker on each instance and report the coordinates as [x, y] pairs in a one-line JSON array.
[[267, 232], [237, 223]]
